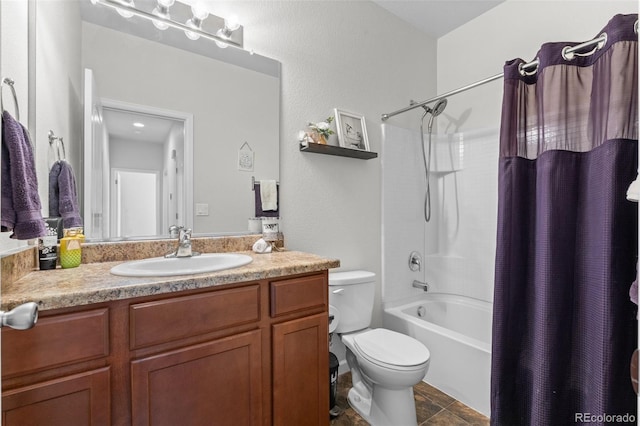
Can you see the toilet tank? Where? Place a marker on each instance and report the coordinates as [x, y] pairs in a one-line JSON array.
[[351, 293]]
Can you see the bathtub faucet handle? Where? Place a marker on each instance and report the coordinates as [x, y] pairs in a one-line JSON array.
[[415, 261], [420, 285]]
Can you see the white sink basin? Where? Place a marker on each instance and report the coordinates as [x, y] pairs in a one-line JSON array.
[[165, 267]]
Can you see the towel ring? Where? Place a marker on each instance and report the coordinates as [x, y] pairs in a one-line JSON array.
[[59, 142], [9, 82]]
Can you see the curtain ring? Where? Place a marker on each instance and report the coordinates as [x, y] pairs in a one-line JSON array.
[[534, 64], [9, 82], [569, 52]]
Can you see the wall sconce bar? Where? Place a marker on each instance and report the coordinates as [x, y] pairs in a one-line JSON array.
[[234, 40]]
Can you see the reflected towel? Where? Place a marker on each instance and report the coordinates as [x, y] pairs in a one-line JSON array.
[[258, 203], [21, 206], [269, 195], [63, 197]]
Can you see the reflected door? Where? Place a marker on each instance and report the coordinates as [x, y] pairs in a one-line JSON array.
[[135, 204]]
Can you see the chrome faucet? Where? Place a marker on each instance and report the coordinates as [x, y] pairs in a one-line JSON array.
[[184, 242], [420, 285]]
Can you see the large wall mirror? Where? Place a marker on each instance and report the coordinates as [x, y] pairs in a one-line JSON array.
[[152, 122]]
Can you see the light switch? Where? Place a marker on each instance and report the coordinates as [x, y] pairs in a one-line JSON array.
[[202, 209]]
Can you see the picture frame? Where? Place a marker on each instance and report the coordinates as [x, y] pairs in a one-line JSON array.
[[352, 130]]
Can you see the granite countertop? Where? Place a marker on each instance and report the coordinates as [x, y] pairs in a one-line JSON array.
[[92, 283]]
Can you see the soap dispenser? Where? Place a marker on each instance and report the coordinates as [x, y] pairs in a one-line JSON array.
[[71, 248]]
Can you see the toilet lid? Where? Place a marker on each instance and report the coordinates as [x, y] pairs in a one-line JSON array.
[[391, 348]]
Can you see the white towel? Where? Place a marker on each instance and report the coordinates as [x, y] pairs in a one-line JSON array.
[[261, 246], [269, 195], [633, 192]]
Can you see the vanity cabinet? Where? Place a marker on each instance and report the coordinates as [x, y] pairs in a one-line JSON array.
[[300, 351], [251, 353], [57, 371]]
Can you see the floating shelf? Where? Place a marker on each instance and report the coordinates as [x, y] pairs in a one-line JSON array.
[[338, 150]]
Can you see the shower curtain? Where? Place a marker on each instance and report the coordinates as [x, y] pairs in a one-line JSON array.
[[564, 328]]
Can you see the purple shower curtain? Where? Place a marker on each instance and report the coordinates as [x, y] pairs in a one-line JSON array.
[[564, 328]]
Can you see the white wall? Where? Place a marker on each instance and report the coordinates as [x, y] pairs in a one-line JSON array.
[[347, 54]]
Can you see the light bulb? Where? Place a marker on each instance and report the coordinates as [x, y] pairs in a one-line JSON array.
[[190, 34], [159, 24], [231, 23], [125, 13], [199, 12], [222, 34], [162, 10]]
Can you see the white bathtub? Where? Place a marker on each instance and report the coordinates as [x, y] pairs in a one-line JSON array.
[[457, 331]]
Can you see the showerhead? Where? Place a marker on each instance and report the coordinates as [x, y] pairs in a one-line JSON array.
[[435, 111], [439, 107]]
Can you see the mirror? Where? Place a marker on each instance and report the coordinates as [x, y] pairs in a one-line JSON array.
[[214, 104]]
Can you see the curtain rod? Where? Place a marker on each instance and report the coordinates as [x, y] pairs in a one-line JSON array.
[[568, 53]]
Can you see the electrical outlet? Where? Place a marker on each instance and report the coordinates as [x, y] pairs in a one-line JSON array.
[[202, 209]]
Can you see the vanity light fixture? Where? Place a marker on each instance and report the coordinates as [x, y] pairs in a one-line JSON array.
[[162, 10], [230, 25], [228, 33], [195, 22]]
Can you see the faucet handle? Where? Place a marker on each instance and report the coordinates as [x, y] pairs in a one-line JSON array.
[[185, 234], [175, 231]]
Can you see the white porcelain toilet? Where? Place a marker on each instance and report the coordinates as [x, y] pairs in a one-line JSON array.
[[384, 364]]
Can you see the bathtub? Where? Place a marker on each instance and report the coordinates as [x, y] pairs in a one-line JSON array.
[[457, 331]]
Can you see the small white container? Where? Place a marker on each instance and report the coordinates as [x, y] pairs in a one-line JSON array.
[[255, 225]]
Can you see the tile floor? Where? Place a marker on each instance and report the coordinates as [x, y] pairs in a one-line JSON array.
[[432, 408]]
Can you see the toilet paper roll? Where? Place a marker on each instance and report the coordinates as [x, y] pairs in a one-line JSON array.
[[336, 318]]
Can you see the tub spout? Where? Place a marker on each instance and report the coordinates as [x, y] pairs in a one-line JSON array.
[[421, 285]]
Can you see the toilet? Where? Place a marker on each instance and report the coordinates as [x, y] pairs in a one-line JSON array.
[[384, 364]]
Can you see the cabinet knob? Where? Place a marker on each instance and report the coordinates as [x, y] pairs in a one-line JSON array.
[[22, 317]]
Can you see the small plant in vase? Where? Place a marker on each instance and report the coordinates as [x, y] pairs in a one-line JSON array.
[[318, 133]]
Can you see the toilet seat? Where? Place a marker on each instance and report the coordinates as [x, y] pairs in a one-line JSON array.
[[391, 350]]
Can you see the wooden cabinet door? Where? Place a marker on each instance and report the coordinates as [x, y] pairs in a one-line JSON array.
[[212, 383], [301, 371], [80, 399]]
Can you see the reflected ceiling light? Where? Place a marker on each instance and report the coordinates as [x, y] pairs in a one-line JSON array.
[[138, 124], [162, 11], [199, 15], [228, 31]]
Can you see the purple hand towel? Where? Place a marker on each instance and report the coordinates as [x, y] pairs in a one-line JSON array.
[[63, 197], [20, 210]]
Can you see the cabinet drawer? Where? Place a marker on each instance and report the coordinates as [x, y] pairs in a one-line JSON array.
[[297, 294], [55, 341], [166, 320]]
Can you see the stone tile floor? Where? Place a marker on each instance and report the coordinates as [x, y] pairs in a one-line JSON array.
[[433, 408]]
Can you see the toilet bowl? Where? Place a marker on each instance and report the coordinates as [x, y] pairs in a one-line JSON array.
[[384, 364], [383, 375]]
